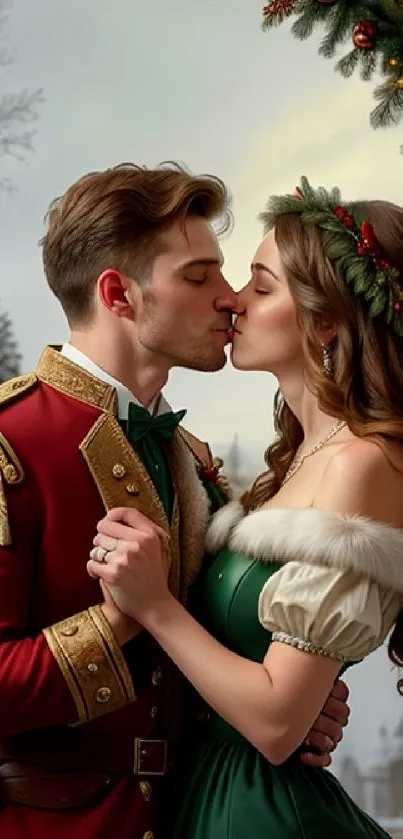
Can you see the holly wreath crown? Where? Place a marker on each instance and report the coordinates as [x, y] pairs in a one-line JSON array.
[[350, 244]]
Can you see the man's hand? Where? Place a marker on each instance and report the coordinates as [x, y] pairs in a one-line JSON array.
[[327, 731]]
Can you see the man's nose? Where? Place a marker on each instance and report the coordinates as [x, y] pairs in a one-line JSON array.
[[229, 303]]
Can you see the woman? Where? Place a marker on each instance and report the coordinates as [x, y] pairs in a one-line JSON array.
[[306, 575]]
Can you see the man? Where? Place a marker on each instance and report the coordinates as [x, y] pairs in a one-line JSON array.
[[86, 697]]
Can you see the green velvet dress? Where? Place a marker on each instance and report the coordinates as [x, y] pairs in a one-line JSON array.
[[229, 791]]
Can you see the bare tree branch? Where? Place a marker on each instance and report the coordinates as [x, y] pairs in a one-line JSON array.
[[17, 110]]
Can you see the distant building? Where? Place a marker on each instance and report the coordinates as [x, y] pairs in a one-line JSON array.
[[380, 790], [237, 467]]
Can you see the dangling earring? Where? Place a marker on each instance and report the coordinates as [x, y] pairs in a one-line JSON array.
[[327, 356]]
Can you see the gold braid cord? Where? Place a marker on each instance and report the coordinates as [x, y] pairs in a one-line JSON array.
[[11, 473]]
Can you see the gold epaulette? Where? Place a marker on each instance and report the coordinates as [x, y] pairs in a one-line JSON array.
[[11, 471], [15, 387]]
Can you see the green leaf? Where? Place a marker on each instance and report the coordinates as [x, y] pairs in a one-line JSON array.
[[398, 323], [390, 309], [378, 304]]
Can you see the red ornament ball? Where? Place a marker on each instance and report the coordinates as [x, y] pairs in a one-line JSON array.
[[398, 306], [364, 34]]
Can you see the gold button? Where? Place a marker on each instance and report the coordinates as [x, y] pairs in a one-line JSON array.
[[104, 694], [146, 790], [69, 630], [92, 667], [148, 835], [132, 489], [157, 677], [118, 471], [154, 711]]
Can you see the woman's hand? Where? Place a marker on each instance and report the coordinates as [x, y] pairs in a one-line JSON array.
[[128, 558]]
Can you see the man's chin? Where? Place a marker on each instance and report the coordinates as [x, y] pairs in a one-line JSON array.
[[204, 365]]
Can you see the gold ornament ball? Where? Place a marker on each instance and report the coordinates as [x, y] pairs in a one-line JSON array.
[[399, 83], [393, 62]]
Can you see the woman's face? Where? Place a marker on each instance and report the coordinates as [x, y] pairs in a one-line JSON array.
[[267, 337]]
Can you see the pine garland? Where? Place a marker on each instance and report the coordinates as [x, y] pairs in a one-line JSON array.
[[350, 244], [375, 28]]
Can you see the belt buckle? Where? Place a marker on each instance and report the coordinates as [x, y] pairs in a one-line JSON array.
[[150, 757]]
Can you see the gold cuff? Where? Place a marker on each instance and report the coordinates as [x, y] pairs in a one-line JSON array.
[[92, 663]]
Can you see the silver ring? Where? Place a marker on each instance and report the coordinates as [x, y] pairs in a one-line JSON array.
[[99, 554]]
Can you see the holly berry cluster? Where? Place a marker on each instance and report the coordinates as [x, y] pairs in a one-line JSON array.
[[367, 245]]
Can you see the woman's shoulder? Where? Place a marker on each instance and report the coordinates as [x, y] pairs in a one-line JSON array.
[[364, 478]]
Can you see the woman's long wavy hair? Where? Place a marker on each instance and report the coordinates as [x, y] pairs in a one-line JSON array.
[[366, 389]]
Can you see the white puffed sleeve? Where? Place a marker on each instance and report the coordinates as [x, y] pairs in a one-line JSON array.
[[339, 614]]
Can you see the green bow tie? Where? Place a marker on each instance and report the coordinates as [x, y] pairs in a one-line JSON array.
[[140, 423]]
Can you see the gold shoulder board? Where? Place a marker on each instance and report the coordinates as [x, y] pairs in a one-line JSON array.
[[15, 387]]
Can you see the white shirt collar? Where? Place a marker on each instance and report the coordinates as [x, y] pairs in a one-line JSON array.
[[158, 406]]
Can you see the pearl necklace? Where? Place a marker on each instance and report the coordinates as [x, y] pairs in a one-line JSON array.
[[298, 461]]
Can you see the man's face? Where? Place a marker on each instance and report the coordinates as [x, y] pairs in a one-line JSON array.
[[184, 312]]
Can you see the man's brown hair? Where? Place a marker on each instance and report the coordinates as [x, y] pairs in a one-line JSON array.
[[114, 219]]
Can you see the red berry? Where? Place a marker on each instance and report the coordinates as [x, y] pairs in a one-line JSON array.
[[210, 474]]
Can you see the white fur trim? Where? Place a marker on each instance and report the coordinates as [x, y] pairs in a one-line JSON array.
[[348, 543], [221, 524]]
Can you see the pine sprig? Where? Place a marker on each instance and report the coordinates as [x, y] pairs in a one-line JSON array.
[[376, 29], [389, 110]]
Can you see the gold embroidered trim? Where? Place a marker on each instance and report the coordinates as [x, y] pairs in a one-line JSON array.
[[5, 532], [51, 638], [88, 664], [305, 646], [15, 387], [59, 372], [118, 658], [119, 474]]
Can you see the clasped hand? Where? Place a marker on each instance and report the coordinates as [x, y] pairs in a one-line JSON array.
[[128, 558]]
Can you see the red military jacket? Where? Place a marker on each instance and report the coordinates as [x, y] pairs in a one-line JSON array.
[[63, 461]]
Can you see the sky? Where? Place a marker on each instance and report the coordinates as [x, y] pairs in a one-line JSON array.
[[195, 81]]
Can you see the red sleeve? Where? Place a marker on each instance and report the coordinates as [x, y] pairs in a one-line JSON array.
[[33, 690], [70, 672]]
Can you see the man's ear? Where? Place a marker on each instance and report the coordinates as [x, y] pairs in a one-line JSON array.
[[113, 292]]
